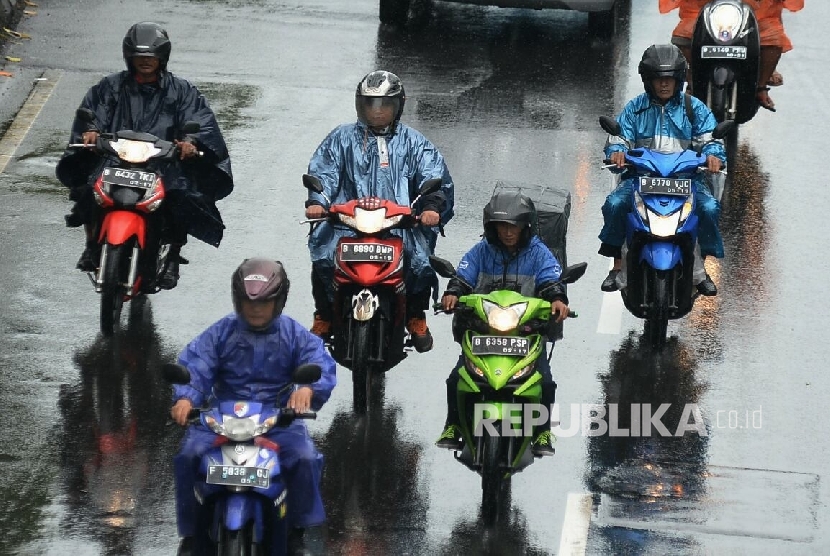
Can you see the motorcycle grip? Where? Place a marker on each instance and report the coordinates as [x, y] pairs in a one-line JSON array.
[[290, 413]]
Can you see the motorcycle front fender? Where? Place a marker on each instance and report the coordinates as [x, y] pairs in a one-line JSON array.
[[661, 255], [120, 225], [239, 509]]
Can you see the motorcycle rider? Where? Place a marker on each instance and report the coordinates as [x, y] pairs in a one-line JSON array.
[[510, 256], [657, 119], [379, 156], [250, 355], [148, 98], [774, 40]]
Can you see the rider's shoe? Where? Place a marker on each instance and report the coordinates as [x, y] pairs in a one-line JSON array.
[[170, 278], [610, 282], [450, 438], [320, 327], [543, 444], [707, 287], [89, 258], [185, 547], [419, 334]]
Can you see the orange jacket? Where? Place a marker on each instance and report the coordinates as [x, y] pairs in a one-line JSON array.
[[767, 12]]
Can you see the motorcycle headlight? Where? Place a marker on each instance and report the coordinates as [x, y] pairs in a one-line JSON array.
[[370, 221], [265, 426], [134, 151], [504, 319], [522, 372], [663, 226], [472, 368], [725, 22], [240, 429]]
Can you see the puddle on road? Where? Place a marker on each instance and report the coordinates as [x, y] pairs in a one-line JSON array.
[[741, 502]]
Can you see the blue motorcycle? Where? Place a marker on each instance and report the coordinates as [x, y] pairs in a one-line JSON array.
[[239, 482], [661, 234]]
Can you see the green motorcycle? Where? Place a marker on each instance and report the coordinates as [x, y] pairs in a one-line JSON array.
[[502, 335]]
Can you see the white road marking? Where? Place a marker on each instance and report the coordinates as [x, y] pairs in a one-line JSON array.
[[41, 91], [574, 538], [611, 311]]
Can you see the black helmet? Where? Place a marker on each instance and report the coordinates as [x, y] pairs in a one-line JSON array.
[[382, 85], [513, 208], [662, 60], [146, 39], [260, 279]]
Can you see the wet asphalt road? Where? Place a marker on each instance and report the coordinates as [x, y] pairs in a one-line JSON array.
[[505, 94]]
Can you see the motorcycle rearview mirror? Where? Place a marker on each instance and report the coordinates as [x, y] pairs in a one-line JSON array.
[[175, 373], [723, 129], [306, 374], [443, 267], [312, 183], [610, 125], [191, 127], [573, 273]]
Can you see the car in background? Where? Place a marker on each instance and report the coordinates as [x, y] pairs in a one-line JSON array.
[[602, 14]]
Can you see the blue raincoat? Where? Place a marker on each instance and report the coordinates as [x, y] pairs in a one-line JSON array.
[[352, 163], [230, 362]]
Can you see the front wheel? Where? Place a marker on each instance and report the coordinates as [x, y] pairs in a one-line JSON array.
[[362, 378], [236, 543], [112, 291], [492, 478], [657, 325]]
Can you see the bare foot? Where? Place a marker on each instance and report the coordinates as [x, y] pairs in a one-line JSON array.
[[776, 80], [763, 99]]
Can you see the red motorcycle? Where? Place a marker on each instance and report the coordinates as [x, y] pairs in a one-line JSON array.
[[129, 189], [369, 311]]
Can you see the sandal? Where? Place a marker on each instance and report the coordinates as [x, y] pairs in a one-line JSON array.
[[763, 99], [775, 80]]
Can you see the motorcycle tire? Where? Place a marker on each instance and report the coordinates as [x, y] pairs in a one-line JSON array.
[[657, 326], [236, 543], [361, 371], [112, 292], [491, 478]]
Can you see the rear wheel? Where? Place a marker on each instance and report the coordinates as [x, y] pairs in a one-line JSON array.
[[491, 478], [112, 292], [393, 12], [657, 326], [362, 379]]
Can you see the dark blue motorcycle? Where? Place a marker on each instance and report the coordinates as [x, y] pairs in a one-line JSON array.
[[239, 481], [661, 234]]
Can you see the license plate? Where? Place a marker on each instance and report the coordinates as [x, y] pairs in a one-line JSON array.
[[500, 345], [735, 52], [366, 252], [129, 178], [238, 475], [665, 186]]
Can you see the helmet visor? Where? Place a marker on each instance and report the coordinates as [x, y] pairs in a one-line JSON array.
[[377, 112]]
